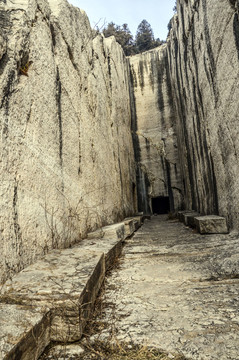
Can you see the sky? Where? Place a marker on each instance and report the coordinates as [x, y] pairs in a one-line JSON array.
[[132, 12]]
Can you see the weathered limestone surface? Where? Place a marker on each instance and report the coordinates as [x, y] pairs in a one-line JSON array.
[[203, 57], [182, 213], [153, 124], [67, 163], [211, 224], [52, 299], [109, 232], [188, 218], [25, 332], [176, 290]]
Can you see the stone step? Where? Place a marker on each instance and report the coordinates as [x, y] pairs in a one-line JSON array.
[[24, 331], [188, 218], [182, 213], [52, 299], [211, 224], [137, 220], [110, 231]]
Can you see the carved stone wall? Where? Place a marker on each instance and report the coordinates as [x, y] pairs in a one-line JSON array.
[[203, 53], [67, 161], [154, 120]]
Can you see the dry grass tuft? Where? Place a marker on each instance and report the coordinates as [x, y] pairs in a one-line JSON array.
[[101, 350]]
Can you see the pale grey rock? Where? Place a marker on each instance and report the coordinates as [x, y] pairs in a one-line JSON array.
[[154, 135], [67, 161], [25, 332], [176, 290], [65, 282], [109, 232], [203, 58], [182, 213], [211, 224], [188, 218], [58, 292], [63, 352], [66, 112], [3, 44], [130, 227]]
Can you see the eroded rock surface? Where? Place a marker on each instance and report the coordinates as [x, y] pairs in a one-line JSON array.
[[153, 123], [51, 300], [203, 58], [211, 224], [178, 291], [67, 162]]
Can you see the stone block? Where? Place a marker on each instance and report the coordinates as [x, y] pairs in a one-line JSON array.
[[191, 219], [113, 254], [112, 248], [25, 331], [129, 227], [139, 219], [137, 224], [188, 218], [65, 282], [181, 214], [63, 286], [110, 231], [211, 224]]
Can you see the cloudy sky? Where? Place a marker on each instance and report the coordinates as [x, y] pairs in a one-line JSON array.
[[156, 12]]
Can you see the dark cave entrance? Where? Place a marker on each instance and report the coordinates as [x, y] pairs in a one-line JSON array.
[[160, 205]]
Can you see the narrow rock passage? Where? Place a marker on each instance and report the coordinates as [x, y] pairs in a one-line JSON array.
[[178, 291], [174, 290]]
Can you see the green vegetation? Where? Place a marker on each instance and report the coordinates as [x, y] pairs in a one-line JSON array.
[[145, 37], [143, 41], [122, 35]]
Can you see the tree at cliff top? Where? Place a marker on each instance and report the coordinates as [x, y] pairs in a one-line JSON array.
[[122, 35], [145, 37]]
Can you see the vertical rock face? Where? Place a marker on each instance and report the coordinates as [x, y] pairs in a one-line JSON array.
[[67, 162], [158, 173], [203, 52], [68, 103]]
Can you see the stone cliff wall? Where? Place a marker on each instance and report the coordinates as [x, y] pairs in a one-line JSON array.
[[69, 101], [67, 163], [153, 120], [203, 57]]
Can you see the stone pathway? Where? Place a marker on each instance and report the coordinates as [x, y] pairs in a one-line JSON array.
[[174, 290], [179, 291], [52, 299]]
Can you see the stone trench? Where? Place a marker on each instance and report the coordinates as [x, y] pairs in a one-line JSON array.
[[173, 289], [90, 137]]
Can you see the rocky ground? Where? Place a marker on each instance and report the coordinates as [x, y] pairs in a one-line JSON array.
[[173, 290]]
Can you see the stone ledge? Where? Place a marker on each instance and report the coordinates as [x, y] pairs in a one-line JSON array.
[[211, 224], [109, 231], [24, 330], [55, 295], [135, 223], [188, 218], [182, 213]]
